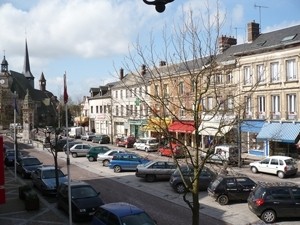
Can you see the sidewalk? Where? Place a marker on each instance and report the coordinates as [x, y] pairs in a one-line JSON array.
[[13, 211]]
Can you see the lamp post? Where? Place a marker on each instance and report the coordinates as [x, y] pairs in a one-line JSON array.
[[160, 5]]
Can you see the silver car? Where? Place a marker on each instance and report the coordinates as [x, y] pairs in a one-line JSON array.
[[80, 150], [107, 156]]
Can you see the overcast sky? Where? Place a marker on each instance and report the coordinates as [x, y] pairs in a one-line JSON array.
[[89, 39]]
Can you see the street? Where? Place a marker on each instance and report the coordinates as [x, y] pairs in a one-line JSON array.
[[155, 197]]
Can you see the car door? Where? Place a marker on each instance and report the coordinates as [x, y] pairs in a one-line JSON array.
[[263, 165], [296, 197], [244, 186], [36, 178], [133, 162], [273, 166], [231, 188], [204, 179], [281, 200]]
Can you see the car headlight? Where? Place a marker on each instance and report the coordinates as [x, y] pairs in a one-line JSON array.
[[82, 210]]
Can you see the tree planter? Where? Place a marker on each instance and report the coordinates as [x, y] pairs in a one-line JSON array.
[[22, 190]]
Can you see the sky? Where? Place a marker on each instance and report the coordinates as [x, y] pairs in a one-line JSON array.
[[90, 40]]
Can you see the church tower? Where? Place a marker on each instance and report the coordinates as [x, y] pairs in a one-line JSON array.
[[28, 116], [26, 69], [42, 83]]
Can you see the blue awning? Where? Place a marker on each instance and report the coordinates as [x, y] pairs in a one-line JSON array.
[[252, 126], [279, 131]]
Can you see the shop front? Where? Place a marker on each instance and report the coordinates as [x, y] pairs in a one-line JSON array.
[[280, 138], [184, 131], [156, 127], [135, 127]]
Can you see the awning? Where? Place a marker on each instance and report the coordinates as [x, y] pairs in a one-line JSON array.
[[80, 120], [214, 129], [157, 124], [182, 127], [252, 126], [280, 132]]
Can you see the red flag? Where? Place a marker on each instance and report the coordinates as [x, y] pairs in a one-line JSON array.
[[65, 90]]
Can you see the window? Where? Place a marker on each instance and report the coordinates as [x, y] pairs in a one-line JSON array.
[[92, 109], [97, 109], [122, 110], [274, 71], [248, 105], [291, 73], [247, 75], [127, 93], [291, 103], [218, 79], [261, 104], [101, 109], [121, 94], [209, 103], [275, 104], [180, 88], [166, 90], [230, 102], [260, 71], [116, 94], [229, 78], [127, 110], [181, 111], [156, 90], [117, 110], [220, 102], [104, 109]]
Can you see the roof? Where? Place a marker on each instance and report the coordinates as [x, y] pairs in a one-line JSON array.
[[122, 208]]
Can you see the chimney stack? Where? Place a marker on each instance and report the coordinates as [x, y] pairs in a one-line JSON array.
[[121, 74], [253, 31], [226, 42], [162, 63], [143, 69]]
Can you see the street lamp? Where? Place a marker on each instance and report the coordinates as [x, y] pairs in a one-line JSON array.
[[160, 5]]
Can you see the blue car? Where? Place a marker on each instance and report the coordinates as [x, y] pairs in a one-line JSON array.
[[119, 213], [126, 161]]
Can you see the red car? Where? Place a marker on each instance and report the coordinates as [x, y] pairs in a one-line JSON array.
[[126, 142], [166, 150]]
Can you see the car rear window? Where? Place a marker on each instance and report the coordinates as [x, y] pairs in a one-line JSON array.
[[290, 162]]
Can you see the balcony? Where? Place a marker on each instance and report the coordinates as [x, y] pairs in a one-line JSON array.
[[275, 116], [291, 116]]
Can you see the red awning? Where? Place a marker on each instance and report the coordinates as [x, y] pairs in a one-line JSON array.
[[182, 127]]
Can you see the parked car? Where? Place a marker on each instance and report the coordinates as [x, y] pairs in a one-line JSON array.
[[167, 150], [84, 199], [281, 166], [121, 213], [94, 151], [146, 144], [59, 146], [126, 142], [227, 188], [155, 170], [126, 161], [80, 150], [26, 165], [101, 139], [107, 156], [176, 182], [44, 179], [270, 201], [88, 136], [71, 144], [9, 157]]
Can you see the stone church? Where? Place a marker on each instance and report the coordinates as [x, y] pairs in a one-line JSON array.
[[34, 107]]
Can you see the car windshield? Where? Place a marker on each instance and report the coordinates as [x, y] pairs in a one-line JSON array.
[[154, 141], [137, 219], [47, 174], [31, 161], [83, 192]]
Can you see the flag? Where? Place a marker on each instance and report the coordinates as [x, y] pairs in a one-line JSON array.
[[65, 89]]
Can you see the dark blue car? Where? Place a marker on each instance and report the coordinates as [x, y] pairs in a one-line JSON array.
[[119, 213], [126, 162], [26, 165]]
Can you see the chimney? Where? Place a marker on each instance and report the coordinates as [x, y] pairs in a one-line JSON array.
[[226, 42], [253, 31], [143, 69], [162, 63], [121, 74]]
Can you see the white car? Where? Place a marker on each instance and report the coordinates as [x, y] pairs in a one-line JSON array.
[[146, 144], [281, 166], [107, 156]]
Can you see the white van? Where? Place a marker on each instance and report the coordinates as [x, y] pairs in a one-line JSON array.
[[225, 153], [146, 144]]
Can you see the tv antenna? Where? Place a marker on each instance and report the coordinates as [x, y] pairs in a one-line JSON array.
[[259, 8]]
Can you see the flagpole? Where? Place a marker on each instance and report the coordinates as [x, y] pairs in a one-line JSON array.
[[68, 150], [15, 132]]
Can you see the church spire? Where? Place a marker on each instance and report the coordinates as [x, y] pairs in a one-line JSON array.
[[26, 69]]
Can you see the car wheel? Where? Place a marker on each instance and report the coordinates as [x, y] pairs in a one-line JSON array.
[[91, 159], [223, 199], [180, 188], [105, 162], [74, 155], [117, 169], [146, 149], [254, 169], [150, 178], [268, 216], [280, 174]]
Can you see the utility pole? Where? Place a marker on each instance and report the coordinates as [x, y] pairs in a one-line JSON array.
[[259, 8]]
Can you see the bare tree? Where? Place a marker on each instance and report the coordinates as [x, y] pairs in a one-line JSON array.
[[195, 80]]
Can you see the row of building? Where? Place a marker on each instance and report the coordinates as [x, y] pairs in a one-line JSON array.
[[245, 94]]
